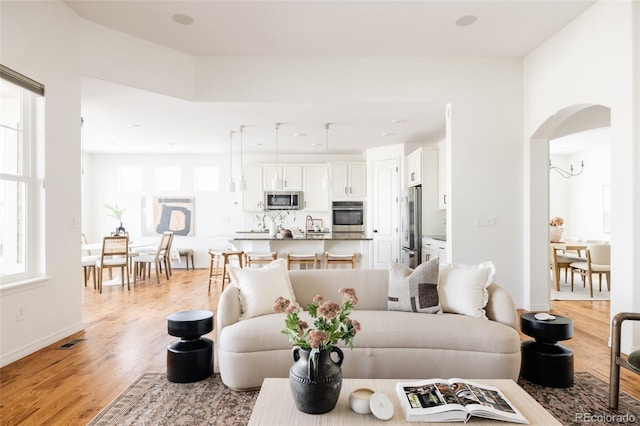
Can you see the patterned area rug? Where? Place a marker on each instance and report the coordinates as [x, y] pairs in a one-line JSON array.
[[153, 400]]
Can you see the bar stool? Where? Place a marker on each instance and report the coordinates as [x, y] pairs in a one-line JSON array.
[[219, 259], [260, 258], [339, 259], [302, 259], [187, 253]]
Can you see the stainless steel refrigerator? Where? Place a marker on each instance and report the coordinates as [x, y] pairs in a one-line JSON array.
[[411, 226]]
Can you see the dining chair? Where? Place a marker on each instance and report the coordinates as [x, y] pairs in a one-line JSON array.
[[598, 262], [557, 262], [142, 262], [88, 262], [631, 362], [115, 254]]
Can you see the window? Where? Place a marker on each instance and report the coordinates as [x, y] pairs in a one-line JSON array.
[[21, 176]]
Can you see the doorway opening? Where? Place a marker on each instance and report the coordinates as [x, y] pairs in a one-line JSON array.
[[567, 121]]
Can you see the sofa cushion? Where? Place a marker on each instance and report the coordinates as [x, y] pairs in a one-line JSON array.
[[414, 290], [462, 289], [259, 288], [391, 329]]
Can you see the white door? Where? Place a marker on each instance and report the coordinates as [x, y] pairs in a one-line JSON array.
[[385, 212]]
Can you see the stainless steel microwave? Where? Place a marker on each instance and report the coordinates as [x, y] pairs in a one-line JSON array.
[[283, 200]]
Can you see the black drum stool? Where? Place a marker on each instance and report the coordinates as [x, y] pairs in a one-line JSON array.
[[545, 362], [190, 359]]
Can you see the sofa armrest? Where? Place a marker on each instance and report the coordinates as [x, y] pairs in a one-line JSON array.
[[500, 307], [228, 308]]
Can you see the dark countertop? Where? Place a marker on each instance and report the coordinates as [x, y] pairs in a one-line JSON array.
[[261, 236]]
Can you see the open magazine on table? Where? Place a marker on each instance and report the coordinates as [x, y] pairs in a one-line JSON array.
[[454, 400]]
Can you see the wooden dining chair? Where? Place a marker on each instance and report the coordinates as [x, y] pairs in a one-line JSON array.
[[557, 262], [142, 262], [598, 262], [115, 254], [88, 263]]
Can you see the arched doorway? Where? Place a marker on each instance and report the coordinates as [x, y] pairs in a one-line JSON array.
[[572, 119]]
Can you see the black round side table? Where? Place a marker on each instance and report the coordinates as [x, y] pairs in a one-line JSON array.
[[544, 361], [190, 359]]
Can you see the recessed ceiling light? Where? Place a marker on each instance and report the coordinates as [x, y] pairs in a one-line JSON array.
[[182, 19], [315, 144], [386, 134], [299, 135], [466, 20], [398, 120], [256, 144], [134, 125]]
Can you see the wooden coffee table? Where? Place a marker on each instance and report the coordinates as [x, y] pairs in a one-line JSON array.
[[275, 405]]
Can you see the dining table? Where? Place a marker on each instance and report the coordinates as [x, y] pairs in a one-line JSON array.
[[96, 248], [565, 246]]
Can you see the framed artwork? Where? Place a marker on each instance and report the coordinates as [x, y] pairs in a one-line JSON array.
[[160, 214], [606, 209]]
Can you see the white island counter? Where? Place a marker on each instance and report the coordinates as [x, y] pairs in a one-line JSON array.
[[311, 243]]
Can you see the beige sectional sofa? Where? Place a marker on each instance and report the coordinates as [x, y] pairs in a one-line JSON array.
[[391, 344]]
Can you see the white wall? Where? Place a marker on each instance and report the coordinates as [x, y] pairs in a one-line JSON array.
[[40, 40], [579, 200], [591, 61]]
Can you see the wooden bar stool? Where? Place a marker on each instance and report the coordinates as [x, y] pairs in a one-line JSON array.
[[219, 259], [302, 259], [339, 259], [260, 258], [187, 253]]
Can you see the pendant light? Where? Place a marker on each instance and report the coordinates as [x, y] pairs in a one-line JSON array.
[[326, 181], [231, 186], [276, 182], [242, 184]]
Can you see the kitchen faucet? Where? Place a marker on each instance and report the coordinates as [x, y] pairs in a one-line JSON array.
[[308, 224]]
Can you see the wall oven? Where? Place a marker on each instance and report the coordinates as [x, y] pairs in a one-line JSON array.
[[347, 217]]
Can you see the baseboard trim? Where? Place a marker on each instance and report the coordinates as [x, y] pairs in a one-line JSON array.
[[13, 356]]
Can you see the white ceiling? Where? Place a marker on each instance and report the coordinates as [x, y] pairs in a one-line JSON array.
[[299, 28]]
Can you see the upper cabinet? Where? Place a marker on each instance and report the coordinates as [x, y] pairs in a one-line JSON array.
[[253, 194], [316, 199], [348, 180], [295, 177], [414, 168], [442, 175], [291, 177]]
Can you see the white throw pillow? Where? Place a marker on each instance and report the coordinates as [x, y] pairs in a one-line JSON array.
[[462, 289], [259, 288]]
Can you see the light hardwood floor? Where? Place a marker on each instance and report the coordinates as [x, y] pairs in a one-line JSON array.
[[126, 335]]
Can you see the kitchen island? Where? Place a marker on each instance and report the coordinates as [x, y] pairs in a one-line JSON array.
[[305, 243]]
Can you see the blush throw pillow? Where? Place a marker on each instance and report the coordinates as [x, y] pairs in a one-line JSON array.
[[414, 290], [259, 288], [462, 289]]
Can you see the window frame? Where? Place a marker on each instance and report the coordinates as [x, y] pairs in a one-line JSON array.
[[30, 150]]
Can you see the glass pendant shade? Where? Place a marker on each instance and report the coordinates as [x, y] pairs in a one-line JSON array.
[[276, 182], [326, 182], [241, 185], [231, 186]]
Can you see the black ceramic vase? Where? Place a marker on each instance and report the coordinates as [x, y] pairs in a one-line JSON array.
[[315, 382]]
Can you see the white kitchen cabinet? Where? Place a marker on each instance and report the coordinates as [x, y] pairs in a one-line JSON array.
[[414, 168], [316, 199], [432, 248], [253, 194], [442, 175], [348, 180], [291, 176]]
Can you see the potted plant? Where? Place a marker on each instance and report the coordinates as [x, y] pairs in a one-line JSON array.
[[116, 212], [315, 378]]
